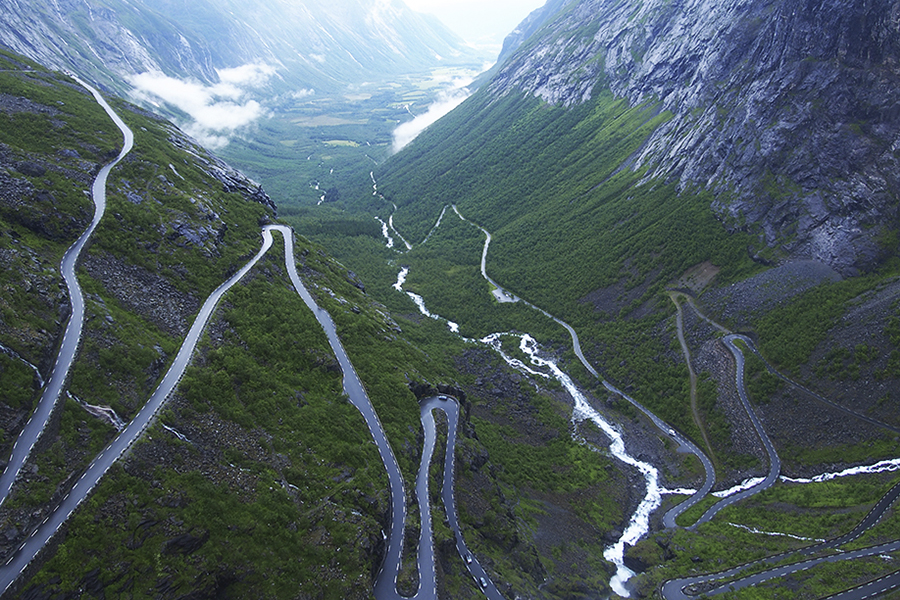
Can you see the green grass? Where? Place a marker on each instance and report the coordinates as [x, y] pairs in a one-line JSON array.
[[789, 333], [76, 121], [19, 383], [281, 391]]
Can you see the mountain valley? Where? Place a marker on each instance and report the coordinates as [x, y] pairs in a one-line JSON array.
[[673, 224]]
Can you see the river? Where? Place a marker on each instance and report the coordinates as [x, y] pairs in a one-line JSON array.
[[638, 526], [639, 523]]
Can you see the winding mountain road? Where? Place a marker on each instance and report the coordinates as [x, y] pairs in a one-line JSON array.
[[689, 588], [674, 590], [386, 580], [694, 587], [679, 329], [115, 449], [774, 460], [671, 517], [820, 397], [352, 386], [684, 444], [450, 407], [385, 587], [72, 336]]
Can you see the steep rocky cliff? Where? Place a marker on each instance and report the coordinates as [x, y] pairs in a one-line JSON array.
[[786, 108]]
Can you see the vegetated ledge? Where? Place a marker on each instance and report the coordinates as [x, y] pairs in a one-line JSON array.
[[233, 181]]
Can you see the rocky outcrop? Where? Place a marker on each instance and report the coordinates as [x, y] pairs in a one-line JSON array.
[[144, 292], [233, 181], [785, 108], [532, 23], [426, 390]]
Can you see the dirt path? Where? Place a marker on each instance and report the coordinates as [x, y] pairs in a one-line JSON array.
[[695, 412]]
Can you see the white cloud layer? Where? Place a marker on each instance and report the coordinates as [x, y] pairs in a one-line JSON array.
[[446, 101], [303, 93], [216, 111]]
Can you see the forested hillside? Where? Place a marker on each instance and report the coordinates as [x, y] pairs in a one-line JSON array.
[[258, 471]]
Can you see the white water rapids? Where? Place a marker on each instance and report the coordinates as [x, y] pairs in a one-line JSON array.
[[884, 466], [639, 523], [420, 302], [397, 233], [744, 485], [775, 533], [389, 241]]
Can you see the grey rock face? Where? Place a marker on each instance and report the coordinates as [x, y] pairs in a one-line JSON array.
[[233, 181], [786, 108]]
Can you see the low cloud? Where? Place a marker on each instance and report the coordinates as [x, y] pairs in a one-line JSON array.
[[303, 93], [446, 101], [216, 111]]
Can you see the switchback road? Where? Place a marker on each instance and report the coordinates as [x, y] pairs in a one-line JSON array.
[[385, 588], [72, 336], [774, 460]]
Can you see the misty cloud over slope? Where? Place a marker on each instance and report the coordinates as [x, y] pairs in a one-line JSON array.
[[207, 58], [216, 111]]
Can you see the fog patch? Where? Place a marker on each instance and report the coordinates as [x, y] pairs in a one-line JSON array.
[[446, 101], [215, 111]]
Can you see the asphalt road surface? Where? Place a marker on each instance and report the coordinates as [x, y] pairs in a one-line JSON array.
[[72, 336]]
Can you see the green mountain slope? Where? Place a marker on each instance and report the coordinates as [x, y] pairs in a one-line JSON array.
[[623, 167], [258, 478], [260, 434], [590, 222], [268, 485]]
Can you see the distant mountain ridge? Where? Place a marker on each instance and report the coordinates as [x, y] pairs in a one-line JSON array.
[[313, 44]]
